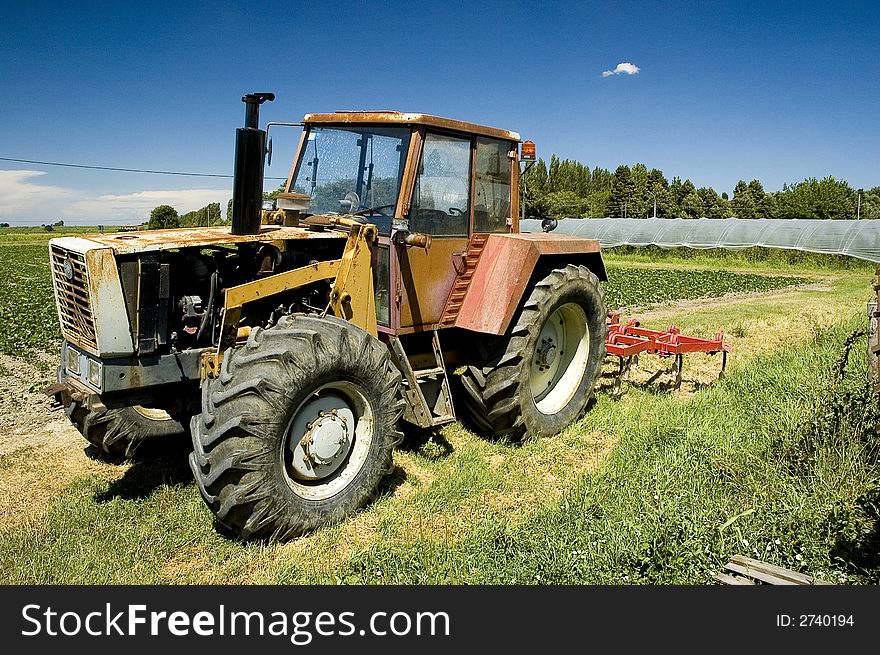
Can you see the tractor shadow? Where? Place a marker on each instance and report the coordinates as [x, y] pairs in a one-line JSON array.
[[660, 381], [150, 471], [427, 442], [391, 482]]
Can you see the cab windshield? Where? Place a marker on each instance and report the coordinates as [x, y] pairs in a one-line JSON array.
[[347, 170]]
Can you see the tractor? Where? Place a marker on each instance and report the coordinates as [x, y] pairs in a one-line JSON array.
[[386, 286]]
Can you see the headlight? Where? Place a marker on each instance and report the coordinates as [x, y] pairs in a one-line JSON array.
[[72, 361], [95, 373]]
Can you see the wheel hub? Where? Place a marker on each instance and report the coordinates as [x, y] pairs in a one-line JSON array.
[[546, 353], [559, 358], [320, 437], [326, 438]]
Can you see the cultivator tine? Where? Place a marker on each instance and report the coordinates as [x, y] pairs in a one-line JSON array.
[[723, 364], [623, 368], [679, 364]]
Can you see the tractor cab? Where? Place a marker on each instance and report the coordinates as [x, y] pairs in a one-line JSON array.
[[434, 175], [409, 174]]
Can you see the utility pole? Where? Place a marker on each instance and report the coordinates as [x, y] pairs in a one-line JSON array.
[[859, 207]]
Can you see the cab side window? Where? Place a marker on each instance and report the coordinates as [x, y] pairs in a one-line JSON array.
[[492, 186], [441, 196]]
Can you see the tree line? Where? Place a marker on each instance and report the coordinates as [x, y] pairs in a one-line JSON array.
[[166, 216], [567, 188]]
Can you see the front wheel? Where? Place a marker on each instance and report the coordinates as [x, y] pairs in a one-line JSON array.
[[118, 433], [538, 378], [298, 429]]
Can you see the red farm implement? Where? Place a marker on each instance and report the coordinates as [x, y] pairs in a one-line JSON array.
[[627, 341]]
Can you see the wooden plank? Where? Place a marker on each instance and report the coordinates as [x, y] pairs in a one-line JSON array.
[[758, 575], [723, 578], [771, 569]]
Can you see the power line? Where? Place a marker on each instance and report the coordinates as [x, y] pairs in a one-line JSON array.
[[123, 170]]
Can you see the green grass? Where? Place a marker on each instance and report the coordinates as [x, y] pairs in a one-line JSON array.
[[28, 320], [39, 235], [778, 458], [653, 487], [691, 484]]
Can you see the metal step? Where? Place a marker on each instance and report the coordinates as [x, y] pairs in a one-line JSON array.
[[428, 372], [419, 411]]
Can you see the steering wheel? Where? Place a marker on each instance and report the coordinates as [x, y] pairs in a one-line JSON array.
[[374, 210], [455, 211]]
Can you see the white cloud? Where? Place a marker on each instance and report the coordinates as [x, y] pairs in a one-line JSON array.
[[22, 200], [18, 194], [136, 206], [622, 67]]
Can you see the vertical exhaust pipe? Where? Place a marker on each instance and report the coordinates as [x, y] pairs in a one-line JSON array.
[[250, 161]]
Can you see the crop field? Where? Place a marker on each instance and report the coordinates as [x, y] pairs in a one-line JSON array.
[[778, 460], [638, 287]]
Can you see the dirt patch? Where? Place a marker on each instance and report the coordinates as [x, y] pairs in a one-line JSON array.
[[30, 420], [40, 451]]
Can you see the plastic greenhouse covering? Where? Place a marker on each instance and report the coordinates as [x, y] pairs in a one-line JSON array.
[[856, 238]]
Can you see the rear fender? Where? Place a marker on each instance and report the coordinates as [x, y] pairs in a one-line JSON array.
[[507, 266]]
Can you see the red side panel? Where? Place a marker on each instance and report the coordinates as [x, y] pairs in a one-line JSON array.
[[503, 272]]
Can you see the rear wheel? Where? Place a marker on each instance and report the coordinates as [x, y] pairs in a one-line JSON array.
[[539, 377], [298, 429]]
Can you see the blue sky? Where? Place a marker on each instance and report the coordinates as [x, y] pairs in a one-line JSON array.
[[778, 91]]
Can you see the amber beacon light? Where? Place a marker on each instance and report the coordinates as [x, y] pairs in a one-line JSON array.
[[527, 152]]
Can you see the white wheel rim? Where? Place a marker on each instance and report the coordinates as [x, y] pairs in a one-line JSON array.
[[327, 440], [152, 413], [560, 358]]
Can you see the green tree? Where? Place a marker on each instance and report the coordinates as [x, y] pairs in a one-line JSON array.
[[271, 195], [597, 204], [743, 203], [565, 204], [870, 207], [163, 216], [712, 204], [812, 198], [622, 190], [692, 206]]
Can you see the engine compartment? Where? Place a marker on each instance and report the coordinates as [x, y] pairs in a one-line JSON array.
[[174, 297]]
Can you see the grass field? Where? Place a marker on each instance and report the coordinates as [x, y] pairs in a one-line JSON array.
[[778, 460]]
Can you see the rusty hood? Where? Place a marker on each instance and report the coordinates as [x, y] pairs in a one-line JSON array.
[[152, 240]]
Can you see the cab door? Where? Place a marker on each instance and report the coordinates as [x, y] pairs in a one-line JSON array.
[[441, 206]]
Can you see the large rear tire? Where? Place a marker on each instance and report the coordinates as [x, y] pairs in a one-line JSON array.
[[298, 429], [538, 378]]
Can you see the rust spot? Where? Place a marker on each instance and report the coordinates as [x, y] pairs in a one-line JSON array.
[[465, 264], [502, 273], [401, 118], [150, 240]]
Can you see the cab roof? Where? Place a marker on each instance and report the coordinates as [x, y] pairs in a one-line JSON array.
[[401, 118]]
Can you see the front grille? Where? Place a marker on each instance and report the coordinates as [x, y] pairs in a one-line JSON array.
[[74, 306]]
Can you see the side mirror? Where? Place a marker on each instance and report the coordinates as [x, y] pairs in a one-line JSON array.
[[548, 224]]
